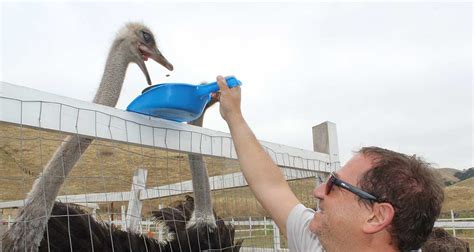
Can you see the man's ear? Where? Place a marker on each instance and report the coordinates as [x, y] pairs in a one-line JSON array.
[[380, 217]]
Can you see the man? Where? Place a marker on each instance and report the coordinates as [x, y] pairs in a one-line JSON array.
[[379, 201]]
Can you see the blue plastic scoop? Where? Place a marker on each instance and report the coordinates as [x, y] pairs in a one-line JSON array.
[[178, 102]]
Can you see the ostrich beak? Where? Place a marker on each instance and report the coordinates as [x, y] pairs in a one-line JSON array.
[[158, 57], [154, 54]]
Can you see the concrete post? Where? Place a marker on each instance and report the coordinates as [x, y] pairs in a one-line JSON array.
[[325, 141]]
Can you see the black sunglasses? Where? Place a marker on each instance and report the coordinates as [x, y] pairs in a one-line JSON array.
[[333, 180]]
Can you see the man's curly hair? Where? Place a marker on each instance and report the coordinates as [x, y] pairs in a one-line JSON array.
[[408, 183]]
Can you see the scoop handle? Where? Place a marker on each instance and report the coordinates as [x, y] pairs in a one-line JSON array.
[[213, 87]]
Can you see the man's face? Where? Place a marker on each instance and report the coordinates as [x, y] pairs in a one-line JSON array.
[[341, 216]]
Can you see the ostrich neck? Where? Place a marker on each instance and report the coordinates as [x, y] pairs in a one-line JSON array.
[[202, 194], [113, 77], [27, 231]]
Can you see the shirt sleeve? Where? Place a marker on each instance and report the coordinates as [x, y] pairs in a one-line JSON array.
[[300, 238]]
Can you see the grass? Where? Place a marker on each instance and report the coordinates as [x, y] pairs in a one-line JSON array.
[[466, 183], [460, 197], [104, 167]]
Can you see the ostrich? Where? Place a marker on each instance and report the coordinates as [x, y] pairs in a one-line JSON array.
[[440, 240], [133, 43], [192, 221], [72, 229]]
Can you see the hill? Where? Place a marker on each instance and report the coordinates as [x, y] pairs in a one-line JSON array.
[[459, 196], [447, 175], [466, 183], [465, 174], [450, 176]]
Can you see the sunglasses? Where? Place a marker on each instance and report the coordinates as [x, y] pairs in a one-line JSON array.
[[334, 181]]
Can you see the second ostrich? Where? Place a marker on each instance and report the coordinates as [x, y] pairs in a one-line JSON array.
[[191, 223]]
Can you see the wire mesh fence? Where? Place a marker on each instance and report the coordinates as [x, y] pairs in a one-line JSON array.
[[101, 182], [130, 185]]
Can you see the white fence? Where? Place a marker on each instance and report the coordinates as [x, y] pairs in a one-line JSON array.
[[33, 108], [24, 109], [456, 224]]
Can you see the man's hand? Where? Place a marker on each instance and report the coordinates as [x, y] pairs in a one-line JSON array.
[[265, 179], [230, 101]]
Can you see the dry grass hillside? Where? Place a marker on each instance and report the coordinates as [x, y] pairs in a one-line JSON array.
[[460, 196], [466, 183]]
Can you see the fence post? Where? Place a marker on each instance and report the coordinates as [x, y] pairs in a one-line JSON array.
[[250, 225], [134, 204], [276, 237], [325, 141], [265, 224], [148, 224], [160, 232], [123, 218], [452, 221]]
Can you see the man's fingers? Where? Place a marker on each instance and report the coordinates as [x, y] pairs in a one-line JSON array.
[[222, 83], [216, 95]]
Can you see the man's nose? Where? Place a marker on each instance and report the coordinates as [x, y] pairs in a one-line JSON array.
[[318, 191]]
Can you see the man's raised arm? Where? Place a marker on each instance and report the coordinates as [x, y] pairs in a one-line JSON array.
[[265, 179]]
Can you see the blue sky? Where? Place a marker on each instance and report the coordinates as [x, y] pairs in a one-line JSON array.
[[396, 75]]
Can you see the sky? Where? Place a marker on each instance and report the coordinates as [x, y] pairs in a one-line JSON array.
[[394, 75]]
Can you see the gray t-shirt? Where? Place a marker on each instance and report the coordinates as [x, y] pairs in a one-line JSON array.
[[300, 238]]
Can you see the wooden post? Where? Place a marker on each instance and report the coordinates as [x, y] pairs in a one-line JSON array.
[[124, 217], [112, 211], [134, 204], [250, 225], [452, 221], [325, 141]]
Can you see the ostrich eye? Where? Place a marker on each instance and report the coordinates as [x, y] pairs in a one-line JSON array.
[[147, 37]]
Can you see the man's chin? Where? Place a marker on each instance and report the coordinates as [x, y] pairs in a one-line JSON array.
[[314, 225]]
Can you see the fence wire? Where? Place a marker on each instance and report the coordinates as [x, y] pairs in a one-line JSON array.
[[97, 193]]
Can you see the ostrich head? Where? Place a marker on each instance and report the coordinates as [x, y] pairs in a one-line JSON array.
[[139, 43]]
